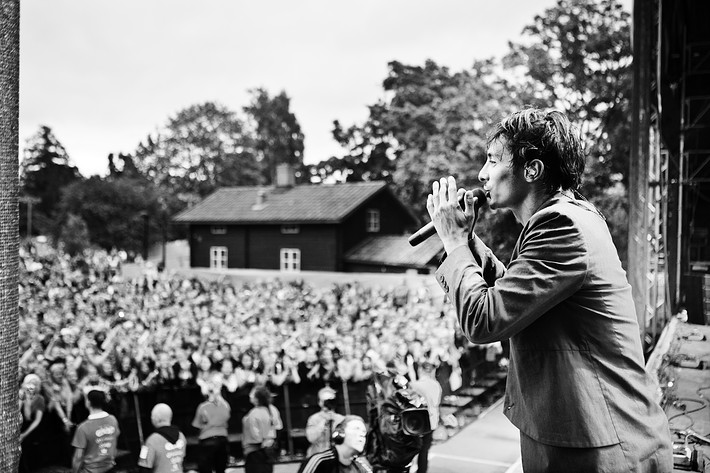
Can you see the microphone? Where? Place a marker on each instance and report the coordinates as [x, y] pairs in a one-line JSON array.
[[428, 230]]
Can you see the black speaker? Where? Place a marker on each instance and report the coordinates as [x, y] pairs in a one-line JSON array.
[[415, 422]]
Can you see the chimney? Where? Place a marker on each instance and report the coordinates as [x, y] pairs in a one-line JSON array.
[[284, 175], [260, 200]]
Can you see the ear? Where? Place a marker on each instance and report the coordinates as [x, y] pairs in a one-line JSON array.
[[534, 170]]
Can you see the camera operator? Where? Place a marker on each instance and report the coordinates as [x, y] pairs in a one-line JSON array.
[[320, 426], [348, 438]]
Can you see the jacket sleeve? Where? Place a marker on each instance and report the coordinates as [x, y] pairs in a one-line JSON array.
[[550, 266], [491, 267]]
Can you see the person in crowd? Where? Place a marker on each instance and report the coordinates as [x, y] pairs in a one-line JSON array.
[[212, 420], [245, 373], [32, 408], [429, 388], [230, 380], [96, 438], [348, 444], [260, 431], [59, 411], [577, 389], [164, 450], [320, 426]]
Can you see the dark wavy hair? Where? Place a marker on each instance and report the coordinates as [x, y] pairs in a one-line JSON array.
[[262, 395], [546, 135]]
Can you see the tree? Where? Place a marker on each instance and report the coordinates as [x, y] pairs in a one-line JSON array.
[[45, 170], [279, 138], [433, 124], [577, 57], [122, 166], [111, 209], [201, 148]]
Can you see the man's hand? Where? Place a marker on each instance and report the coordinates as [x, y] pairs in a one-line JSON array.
[[452, 225]]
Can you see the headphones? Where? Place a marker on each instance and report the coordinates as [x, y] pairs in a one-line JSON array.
[[338, 435]]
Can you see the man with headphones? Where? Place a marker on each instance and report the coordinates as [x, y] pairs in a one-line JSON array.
[[348, 443]]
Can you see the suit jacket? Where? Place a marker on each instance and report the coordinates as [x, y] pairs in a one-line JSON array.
[[576, 374]]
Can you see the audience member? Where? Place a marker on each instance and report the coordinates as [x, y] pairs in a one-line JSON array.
[[320, 426], [260, 432], [212, 420]]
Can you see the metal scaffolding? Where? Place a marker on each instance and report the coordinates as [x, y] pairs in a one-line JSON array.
[[669, 185]]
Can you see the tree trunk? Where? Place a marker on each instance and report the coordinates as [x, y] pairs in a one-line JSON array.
[[9, 233]]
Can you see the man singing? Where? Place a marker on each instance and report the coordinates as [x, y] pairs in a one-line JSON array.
[[577, 388]]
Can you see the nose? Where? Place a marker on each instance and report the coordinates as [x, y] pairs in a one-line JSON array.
[[483, 173]]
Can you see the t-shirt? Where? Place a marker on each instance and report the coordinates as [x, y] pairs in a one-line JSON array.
[[212, 418], [97, 435], [259, 424], [161, 455]]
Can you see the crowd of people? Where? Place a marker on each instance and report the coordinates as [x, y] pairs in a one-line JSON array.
[[83, 324]]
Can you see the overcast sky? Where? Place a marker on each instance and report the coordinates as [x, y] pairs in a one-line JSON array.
[[103, 74]]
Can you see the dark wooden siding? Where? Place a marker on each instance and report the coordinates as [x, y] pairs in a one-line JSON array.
[[318, 245], [201, 239], [394, 220]]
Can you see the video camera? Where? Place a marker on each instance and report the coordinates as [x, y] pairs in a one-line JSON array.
[[399, 418]]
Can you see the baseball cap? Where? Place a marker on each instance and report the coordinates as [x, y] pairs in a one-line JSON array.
[[326, 394]]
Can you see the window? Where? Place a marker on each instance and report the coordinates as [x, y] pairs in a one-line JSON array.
[[290, 229], [373, 220], [218, 230], [218, 257], [290, 259]]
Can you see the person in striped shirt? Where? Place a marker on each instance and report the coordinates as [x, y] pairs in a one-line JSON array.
[[344, 456]]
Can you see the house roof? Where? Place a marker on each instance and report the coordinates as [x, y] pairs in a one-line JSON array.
[[324, 203], [395, 250]]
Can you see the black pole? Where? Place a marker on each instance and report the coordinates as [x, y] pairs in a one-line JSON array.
[[145, 217]]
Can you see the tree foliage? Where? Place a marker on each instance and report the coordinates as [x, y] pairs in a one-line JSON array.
[[201, 148], [433, 124], [111, 209], [44, 171], [278, 135], [577, 57]]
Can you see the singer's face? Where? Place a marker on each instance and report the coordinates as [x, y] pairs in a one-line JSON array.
[[505, 186]]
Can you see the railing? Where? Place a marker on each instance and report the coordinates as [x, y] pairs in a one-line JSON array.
[[296, 402]]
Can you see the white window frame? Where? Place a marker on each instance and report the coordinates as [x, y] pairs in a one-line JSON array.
[[291, 229], [290, 260], [218, 257], [218, 230], [372, 221]]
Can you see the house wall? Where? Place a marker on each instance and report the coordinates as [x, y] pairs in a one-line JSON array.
[[201, 239], [318, 245], [259, 246], [394, 220]]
